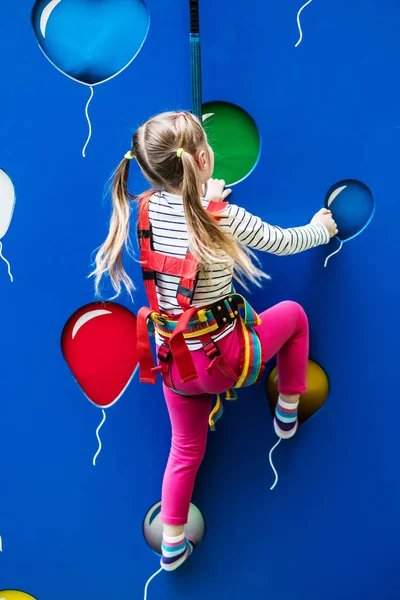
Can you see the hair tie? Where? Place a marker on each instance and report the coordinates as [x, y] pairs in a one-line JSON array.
[[179, 153], [129, 155]]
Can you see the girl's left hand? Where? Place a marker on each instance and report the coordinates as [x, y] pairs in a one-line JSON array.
[[216, 191]]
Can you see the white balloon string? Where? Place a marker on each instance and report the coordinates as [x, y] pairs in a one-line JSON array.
[[333, 254], [98, 437], [149, 580], [1, 544], [6, 261], [272, 464], [88, 120], [298, 21]]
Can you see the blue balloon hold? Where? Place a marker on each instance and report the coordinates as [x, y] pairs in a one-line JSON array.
[[352, 205], [90, 41]]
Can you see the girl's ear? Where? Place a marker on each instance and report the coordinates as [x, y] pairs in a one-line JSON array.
[[201, 160]]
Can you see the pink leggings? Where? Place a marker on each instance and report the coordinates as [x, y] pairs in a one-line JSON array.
[[284, 331]]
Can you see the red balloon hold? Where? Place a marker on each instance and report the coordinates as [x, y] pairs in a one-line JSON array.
[[99, 344]]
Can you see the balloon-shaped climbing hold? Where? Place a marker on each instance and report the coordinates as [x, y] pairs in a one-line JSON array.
[[352, 205], [99, 344], [7, 202], [153, 528], [235, 139], [15, 595], [312, 400], [88, 41]]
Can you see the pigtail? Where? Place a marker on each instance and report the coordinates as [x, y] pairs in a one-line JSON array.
[[109, 256]]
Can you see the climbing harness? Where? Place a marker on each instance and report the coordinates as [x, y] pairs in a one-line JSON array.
[[193, 323]]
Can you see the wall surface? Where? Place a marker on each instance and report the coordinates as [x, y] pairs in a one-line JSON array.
[[326, 110]]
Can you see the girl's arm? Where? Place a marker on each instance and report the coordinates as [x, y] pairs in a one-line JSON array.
[[251, 231]]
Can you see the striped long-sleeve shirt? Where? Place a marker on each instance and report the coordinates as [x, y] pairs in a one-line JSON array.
[[170, 236]]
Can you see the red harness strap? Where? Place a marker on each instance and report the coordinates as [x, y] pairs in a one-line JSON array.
[[144, 235], [145, 357], [187, 270]]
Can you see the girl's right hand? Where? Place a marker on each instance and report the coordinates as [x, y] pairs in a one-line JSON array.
[[324, 216], [216, 191]]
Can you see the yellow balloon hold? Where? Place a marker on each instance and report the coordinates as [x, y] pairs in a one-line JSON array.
[[15, 595], [312, 400]]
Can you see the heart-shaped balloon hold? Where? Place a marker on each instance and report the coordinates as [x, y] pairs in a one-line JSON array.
[[99, 344], [352, 205], [15, 595], [90, 40]]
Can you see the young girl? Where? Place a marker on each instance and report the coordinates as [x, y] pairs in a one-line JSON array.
[[208, 338]]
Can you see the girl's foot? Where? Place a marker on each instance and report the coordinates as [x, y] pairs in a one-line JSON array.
[[175, 550], [285, 421]]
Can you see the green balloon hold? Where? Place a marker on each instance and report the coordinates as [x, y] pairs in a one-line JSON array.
[[234, 137]]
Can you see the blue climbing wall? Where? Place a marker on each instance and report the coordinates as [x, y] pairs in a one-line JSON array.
[[327, 110]]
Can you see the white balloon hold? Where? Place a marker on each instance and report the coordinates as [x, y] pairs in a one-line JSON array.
[[7, 203]]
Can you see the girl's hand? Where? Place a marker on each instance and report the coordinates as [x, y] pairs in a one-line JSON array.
[[324, 216], [216, 191]]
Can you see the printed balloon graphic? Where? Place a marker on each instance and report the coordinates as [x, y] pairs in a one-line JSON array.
[[90, 41], [15, 595], [99, 344], [352, 205], [7, 202]]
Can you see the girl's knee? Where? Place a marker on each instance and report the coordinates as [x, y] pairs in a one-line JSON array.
[[189, 456], [297, 312]]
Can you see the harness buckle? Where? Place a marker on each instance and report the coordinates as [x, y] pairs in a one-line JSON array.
[[221, 313], [211, 349], [164, 353]]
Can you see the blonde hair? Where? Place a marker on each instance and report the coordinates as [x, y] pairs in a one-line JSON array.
[[155, 145]]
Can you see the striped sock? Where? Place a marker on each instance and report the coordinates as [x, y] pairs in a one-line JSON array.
[[175, 551], [285, 421]]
